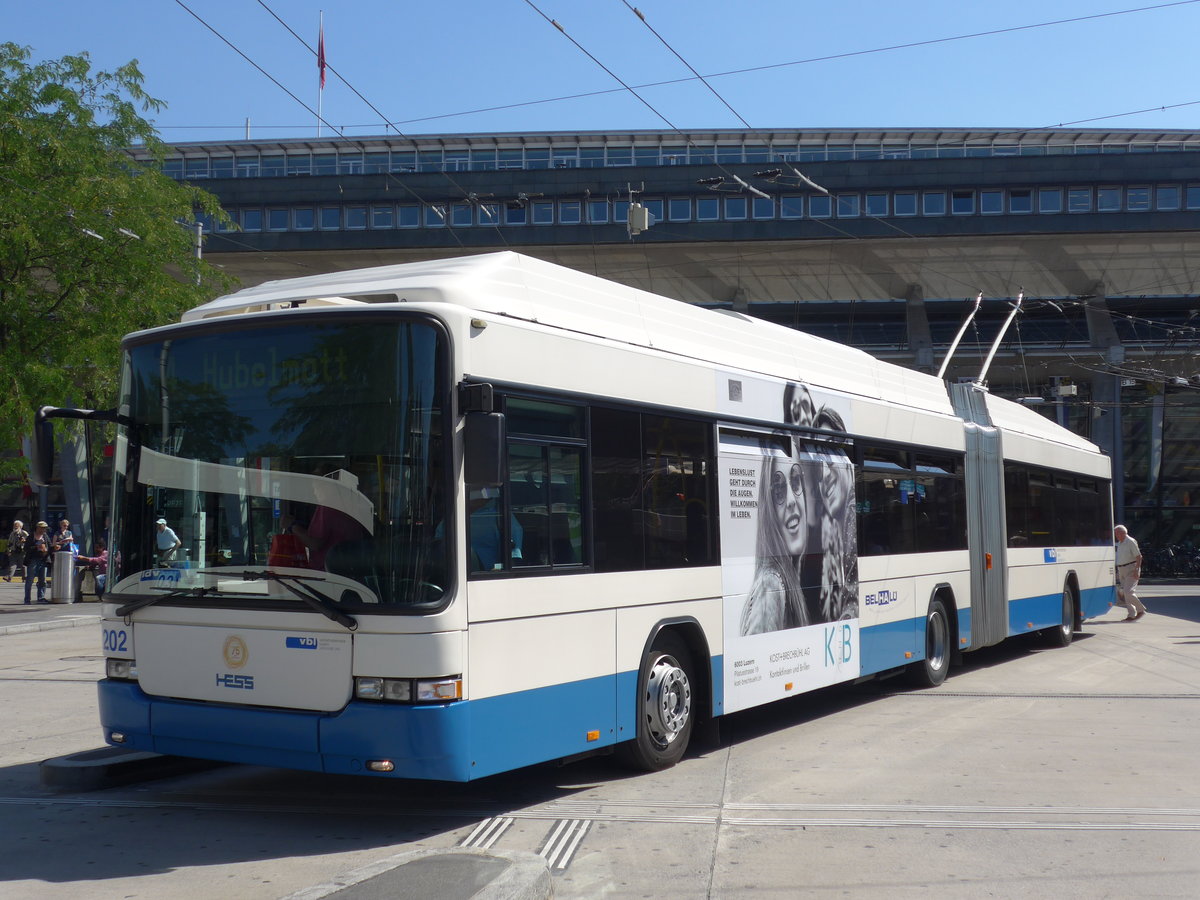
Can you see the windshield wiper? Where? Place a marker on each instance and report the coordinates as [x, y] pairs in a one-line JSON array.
[[321, 602], [167, 594]]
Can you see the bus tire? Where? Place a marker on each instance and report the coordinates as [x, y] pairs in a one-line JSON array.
[[932, 670], [666, 709], [1060, 635]]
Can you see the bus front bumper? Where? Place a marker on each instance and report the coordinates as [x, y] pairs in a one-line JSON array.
[[425, 742]]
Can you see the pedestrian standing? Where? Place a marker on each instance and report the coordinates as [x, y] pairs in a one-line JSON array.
[[63, 537], [166, 541], [1129, 570], [37, 561], [16, 549]]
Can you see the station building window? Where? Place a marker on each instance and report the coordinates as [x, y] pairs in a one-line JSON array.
[[277, 219], [679, 209], [991, 203], [252, 220], [462, 215], [791, 207], [708, 209], [356, 218], [436, 215], [515, 214], [933, 203], [383, 217], [331, 218], [1050, 200], [820, 206], [848, 206], [735, 207], [1020, 201], [1079, 200], [1137, 199], [1166, 197], [877, 204], [1108, 199], [962, 203], [489, 214], [408, 215], [303, 218], [905, 203], [570, 212]]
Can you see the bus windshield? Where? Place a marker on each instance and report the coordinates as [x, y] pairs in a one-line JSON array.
[[314, 449]]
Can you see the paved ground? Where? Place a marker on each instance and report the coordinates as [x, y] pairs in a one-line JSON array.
[[16, 617], [1032, 773]]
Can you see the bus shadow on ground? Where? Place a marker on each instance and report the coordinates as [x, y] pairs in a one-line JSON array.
[[236, 814]]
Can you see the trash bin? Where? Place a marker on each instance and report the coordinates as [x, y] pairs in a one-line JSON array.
[[62, 578]]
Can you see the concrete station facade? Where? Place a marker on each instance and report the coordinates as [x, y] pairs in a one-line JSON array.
[[880, 239]]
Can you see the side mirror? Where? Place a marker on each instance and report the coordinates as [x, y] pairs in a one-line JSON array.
[[41, 443], [483, 448]]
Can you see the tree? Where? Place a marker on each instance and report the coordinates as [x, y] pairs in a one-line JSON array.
[[93, 244]]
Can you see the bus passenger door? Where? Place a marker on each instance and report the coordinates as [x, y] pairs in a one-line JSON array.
[[985, 519]]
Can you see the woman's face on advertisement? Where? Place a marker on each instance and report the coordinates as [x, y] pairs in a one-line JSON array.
[[801, 411], [787, 502]]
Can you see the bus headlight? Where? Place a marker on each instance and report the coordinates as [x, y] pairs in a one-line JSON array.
[[405, 690], [397, 690], [121, 669]]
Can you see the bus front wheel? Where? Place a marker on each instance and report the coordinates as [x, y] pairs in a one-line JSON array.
[[665, 710], [932, 670]]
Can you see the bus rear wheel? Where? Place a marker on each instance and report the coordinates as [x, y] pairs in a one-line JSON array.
[[1060, 635], [665, 710], [932, 670]]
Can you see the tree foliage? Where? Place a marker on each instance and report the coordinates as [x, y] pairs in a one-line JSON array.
[[93, 244]]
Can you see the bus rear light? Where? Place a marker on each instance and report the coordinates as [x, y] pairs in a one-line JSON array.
[[121, 669], [380, 765]]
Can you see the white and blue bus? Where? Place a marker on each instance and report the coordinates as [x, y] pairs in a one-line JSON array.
[[446, 519]]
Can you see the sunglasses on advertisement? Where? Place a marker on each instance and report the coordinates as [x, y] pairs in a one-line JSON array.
[[779, 484]]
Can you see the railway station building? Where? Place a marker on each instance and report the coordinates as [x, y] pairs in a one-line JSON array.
[[879, 239]]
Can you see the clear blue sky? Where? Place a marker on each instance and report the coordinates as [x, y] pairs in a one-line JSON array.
[[428, 65]]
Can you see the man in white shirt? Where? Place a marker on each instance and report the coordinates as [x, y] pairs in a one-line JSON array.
[[166, 541], [1129, 570]]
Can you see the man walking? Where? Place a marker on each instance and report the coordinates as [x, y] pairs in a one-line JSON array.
[[1129, 570]]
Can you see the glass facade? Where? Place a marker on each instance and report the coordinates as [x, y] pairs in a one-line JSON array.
[[590, 151]]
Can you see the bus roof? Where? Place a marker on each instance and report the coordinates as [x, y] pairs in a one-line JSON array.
[[523, 287]]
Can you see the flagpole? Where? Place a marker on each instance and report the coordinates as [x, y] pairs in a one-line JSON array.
[[320, 69]]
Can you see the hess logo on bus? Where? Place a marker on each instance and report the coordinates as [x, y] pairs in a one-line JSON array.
[[236, 656]]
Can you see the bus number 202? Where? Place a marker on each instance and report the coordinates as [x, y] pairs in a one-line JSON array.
[[116, 640]]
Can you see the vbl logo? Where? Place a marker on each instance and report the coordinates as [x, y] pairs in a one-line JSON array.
[[839, 646], [244, 682]]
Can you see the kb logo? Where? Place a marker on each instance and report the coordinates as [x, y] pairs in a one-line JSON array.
[[839, 645]]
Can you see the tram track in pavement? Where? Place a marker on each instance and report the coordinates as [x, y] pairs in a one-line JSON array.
[[487, 827]]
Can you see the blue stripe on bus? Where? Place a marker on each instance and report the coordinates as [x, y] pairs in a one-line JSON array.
[[1097, 601], [1035, 613], [882, 647], [467, 740]]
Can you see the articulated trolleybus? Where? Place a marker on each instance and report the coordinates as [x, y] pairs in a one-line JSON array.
[[446, 519]]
